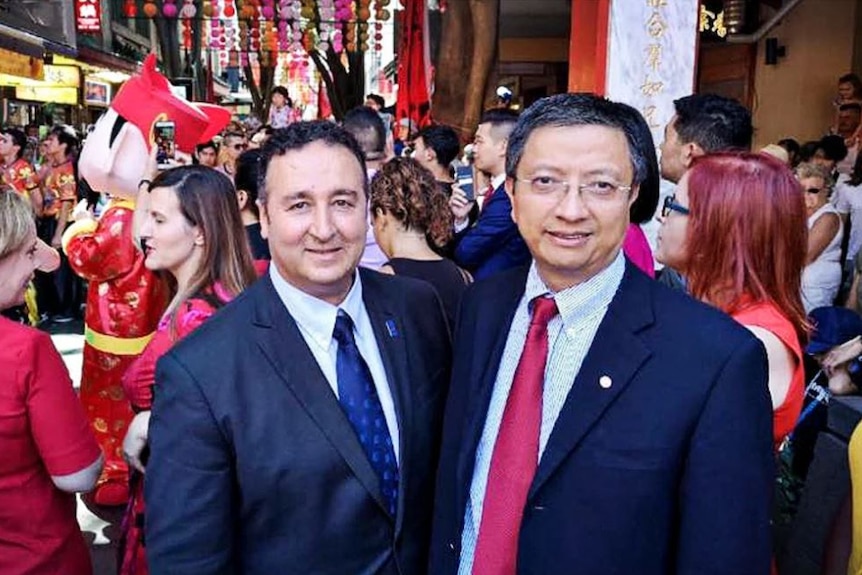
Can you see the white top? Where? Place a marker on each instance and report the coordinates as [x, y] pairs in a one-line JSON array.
[[822, 277], [848, 200], [316, 321]]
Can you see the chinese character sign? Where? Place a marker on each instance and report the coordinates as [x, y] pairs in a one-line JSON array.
[[88, 16], [651, 56]]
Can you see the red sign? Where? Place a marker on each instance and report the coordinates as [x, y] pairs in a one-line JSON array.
[[88, 16]]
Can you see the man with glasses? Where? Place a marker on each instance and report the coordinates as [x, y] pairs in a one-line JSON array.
[[597, 421]]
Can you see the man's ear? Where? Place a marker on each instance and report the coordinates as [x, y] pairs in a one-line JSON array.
[[264, 219], [509, 186], [691, 151]]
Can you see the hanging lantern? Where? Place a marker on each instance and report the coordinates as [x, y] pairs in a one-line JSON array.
[[150, 10], [130, 9], [169, 9]]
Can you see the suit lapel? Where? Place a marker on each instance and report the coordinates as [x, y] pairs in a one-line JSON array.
[[282, 343], [495, 321], [614, 358], [389, 333]]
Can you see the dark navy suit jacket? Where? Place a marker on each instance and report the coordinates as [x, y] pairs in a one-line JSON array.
[[666, 472], [254, 467], [493, 243]]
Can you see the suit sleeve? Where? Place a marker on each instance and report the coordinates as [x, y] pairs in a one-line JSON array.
[[493, 228], [189, 490], [726, 488]]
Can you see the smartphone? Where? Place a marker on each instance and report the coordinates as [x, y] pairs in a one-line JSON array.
[[166, 143], [464, 179]]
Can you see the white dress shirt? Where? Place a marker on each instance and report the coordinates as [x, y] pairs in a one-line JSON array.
[[570, 336], [316, 321]]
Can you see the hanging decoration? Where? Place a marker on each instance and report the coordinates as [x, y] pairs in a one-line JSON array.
[[130, 9]]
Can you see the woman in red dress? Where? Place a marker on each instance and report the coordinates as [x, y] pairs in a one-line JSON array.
[[736, 229], [47, 450], [193, 231]]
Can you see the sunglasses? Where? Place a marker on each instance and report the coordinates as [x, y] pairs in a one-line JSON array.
[[240, 146], [670, 205], [813, 190]]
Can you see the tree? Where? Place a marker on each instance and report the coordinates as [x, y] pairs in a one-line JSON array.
[[468, 43]]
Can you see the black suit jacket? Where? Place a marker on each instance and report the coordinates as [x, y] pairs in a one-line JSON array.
[[667, 471], [255, 469]]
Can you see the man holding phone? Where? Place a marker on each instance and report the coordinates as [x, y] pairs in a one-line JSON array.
[[493, 243]]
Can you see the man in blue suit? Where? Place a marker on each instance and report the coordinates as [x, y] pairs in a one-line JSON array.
[[492, 244], [297, 431], [597, 423]]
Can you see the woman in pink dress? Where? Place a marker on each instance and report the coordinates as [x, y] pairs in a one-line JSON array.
[[192, 231]]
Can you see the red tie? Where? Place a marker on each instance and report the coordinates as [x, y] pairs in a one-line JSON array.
[[516, 452]]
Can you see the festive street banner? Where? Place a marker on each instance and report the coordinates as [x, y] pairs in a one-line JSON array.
[[651, 56]]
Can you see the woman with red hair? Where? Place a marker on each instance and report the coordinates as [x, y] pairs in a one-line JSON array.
[[736, 228]]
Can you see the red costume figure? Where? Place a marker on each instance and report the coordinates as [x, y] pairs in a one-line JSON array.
[[125, 300]]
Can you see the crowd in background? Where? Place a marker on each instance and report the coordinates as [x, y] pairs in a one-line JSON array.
[[772, 239]]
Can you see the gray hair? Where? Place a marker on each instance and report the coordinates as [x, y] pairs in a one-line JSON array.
[[16, 221]]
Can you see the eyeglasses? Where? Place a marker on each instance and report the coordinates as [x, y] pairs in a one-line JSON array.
[[597, 190], [670, 205], [240, 146], [813, 190]]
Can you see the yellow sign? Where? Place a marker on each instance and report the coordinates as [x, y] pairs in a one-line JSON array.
[[15, 64], [47, 94]]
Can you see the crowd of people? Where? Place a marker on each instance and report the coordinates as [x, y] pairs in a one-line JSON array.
[[365, 363]]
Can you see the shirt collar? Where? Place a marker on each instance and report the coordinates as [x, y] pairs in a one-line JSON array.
[[315, 316], [498, 180], [584, 299]]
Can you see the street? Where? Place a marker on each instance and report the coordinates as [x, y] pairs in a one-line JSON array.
[[100, 525]]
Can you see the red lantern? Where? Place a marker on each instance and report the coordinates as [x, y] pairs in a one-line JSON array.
[[130, 9]]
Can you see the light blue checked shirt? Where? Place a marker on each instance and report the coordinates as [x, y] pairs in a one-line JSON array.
[[570, 336]]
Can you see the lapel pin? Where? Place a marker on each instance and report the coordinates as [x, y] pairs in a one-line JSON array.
[[391, 328], [605, 382]]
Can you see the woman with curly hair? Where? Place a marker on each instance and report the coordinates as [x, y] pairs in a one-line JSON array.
[[411, 217]]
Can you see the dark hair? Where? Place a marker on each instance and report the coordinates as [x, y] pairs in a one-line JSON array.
[[746, 234], [564, 110], [409, 192], [366, 125], [19, 138], [833, 147], [808, 149], [714, 123], [300, 134], [791, 145], [850, 107], [283, 91], [210, 144], [855, 81], [66, 135], [207, 199], [501, 120], [644, 207], [247, 177], [378, 99], [443, 140]]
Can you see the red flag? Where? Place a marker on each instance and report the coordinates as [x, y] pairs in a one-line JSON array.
[[413, 98]]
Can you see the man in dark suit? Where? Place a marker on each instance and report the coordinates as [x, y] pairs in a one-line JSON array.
[[598, 423], [493, 243], [297, 431]]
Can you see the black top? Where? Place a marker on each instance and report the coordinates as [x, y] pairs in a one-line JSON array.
[[449, 280], [258, 245]]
